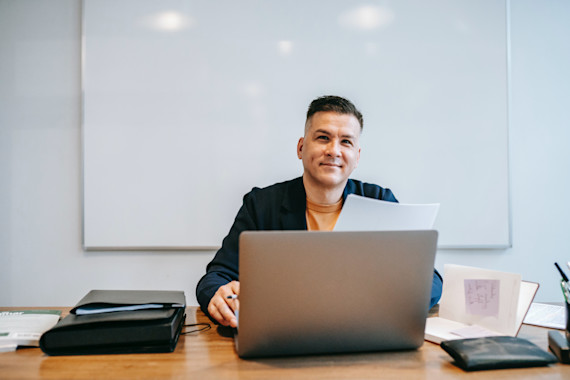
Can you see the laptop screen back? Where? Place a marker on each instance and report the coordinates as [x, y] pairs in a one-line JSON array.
[[330, 292]]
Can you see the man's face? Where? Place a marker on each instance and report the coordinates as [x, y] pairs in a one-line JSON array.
[[330, 149]]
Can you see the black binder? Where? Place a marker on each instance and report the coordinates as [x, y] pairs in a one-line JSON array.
[[139, 331]]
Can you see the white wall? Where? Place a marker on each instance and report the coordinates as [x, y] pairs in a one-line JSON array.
[[41, 259], [539, 149]]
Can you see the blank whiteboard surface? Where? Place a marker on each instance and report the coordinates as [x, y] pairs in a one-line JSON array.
[[189, 104]]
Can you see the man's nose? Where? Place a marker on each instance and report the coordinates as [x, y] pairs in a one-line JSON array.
[[333, 148]]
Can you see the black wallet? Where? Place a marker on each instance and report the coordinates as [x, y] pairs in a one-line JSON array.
[[496, 352]]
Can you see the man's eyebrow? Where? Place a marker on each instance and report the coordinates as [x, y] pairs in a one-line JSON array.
[[324, 131], [349, 135]]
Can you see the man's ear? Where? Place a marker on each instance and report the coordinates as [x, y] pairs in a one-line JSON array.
[[300, 147]]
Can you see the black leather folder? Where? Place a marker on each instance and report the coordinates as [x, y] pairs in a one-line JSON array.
[[138, 331], [101, 301]]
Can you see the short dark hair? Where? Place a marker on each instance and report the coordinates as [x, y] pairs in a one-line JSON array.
[[332, 103]]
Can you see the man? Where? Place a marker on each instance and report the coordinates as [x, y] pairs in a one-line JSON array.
[[330, 151]]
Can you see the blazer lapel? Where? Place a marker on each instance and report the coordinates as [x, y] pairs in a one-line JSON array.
[[294, 206]]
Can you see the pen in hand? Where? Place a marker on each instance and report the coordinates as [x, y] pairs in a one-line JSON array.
[[234, 297]]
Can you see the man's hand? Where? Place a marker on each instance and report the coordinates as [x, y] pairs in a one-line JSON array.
[[223, 309]]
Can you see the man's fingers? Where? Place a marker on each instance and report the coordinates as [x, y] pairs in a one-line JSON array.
[[219, 315], [214, 313], [229, 290], [222, 308], [225, 310], [221, 311], [234, 286]]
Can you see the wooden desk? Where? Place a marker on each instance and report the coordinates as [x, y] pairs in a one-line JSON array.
[[210, 355]]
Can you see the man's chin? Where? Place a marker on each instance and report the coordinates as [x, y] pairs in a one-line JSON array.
[[331, 181]]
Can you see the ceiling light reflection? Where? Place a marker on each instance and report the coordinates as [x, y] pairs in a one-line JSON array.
[[169, 21], [285, 47], [366, 17]]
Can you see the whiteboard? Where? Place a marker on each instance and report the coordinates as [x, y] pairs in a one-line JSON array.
[[189, 104]]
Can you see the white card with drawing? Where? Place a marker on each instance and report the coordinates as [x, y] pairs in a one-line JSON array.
[[482, 299], [456, 306]]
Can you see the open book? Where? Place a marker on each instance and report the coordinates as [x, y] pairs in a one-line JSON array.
[[479, 302]]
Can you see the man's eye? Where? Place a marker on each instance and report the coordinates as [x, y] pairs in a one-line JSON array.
[[347, 142], [323, 137]]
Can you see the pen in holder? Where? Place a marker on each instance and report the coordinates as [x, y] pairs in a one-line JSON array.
[[565, 284], [560, 344], [566, 292]]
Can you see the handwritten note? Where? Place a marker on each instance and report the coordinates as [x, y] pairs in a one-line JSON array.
[[482, 297]]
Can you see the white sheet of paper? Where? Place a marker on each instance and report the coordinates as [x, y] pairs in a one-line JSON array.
[[473, 332], [367, 214], [88, 309], [439, 329], [541, 314]]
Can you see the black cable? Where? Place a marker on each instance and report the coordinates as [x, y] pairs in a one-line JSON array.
[[205, 327]]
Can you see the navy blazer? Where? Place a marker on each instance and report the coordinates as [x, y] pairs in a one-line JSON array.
[[281, 206]]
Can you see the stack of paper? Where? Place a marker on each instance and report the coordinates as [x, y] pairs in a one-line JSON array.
[[366, 214], [546, 315], [25, 327]]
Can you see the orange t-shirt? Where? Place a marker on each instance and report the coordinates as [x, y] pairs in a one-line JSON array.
[[322, 217]]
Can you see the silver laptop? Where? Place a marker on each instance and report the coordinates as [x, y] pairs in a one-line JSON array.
[[332, 292]]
